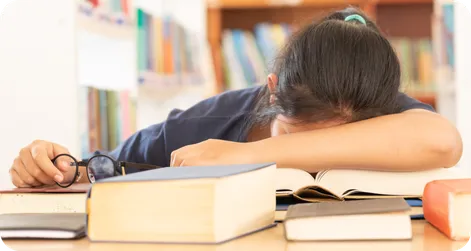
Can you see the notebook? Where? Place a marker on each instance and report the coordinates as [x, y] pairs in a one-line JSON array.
[[416, 211], [42, 226], [196, 205], [53, 199], [374, 219], [343, 184]]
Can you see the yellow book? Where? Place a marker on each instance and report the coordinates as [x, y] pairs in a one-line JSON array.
[[278, 35], [158, 52], [206, 204]]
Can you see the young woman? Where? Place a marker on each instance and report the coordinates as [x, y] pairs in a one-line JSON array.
[[332, 101]]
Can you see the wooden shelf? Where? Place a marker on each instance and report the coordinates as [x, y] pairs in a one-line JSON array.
[[398, 2], [397, 18], [250, 4]]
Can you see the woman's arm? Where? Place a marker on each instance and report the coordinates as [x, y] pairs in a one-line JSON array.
[[412, 140]]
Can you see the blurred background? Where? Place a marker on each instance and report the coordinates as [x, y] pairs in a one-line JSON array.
[[89, 73]]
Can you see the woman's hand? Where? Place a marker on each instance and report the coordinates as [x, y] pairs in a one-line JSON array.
[[215, 152], [33, 166]]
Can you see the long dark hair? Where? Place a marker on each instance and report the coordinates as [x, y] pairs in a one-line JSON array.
[[333, 69]]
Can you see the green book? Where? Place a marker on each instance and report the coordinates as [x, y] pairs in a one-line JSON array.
[[141, 40]]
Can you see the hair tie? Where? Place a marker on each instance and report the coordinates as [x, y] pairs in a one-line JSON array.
[[355, 17]]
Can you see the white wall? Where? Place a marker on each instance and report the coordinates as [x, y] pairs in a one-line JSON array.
[[38, 97], [463, 78]]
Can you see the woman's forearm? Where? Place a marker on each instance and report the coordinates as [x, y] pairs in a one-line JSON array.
[[413, 140]]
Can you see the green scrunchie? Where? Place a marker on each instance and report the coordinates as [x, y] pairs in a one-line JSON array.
[[355, 17]]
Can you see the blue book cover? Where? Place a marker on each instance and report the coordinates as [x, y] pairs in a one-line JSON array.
[[414, 202], [103, 119], [449, 31], [265, 43], [240, 50], [191, 172]]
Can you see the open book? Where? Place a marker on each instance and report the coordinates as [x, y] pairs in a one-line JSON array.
[[343, 184]]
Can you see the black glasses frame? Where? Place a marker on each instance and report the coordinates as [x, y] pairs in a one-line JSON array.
[[119, 166]]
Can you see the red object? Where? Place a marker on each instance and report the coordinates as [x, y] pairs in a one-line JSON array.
[[95, 3], [441, 210], [125, 6]]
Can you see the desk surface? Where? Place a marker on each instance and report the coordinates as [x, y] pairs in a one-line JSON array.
[[426, 237]]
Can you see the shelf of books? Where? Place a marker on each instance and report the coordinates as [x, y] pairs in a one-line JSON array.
[[107, 107], [134, 56], [168, 56], [250, 33]]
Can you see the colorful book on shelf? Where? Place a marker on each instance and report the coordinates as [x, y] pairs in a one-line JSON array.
[[241, 54], [125, 6], [125, 115], [104, 119], [416, 59], [110, 119], [166, 51], [231, 63], [168, 46], [448, 32], [150, 47], [252, 54], [84, 118], [141, 40], [176, 47], [94, 131], [182, 50], [265, 43], [158, 45]]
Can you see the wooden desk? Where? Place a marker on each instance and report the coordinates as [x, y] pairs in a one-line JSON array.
[[426, 237]]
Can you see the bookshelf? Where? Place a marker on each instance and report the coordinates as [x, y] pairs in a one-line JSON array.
[[174, 61], [52, 61], [409, 20], [58, 61]]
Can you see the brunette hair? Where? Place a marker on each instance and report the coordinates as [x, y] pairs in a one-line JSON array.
[[338, 68]]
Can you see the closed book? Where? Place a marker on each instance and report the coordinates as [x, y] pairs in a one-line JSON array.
[[207, 204], [42, 226], [415, 213], [51, 199], [447, 206], [373, 219]]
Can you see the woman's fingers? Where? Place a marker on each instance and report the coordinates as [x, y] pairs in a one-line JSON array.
[[42, 159], [16, 180], [27, 178], [175, 160], [32, 168]]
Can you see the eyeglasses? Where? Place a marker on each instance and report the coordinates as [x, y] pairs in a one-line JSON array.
[[97, 167]]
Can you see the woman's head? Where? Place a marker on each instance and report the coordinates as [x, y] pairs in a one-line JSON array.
[[334, 71]]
